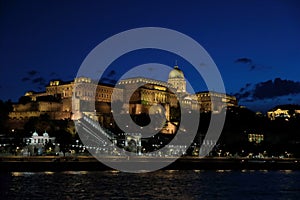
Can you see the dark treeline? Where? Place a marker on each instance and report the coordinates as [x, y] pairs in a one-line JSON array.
[[5, 108], [279, 136]]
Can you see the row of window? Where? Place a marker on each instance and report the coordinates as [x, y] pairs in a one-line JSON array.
[[141, 80], [39, 141]]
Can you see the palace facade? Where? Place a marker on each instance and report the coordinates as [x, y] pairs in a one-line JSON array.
[[135, 95]]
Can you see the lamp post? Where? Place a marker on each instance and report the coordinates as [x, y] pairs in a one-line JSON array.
[[219, 153], [77, 141]]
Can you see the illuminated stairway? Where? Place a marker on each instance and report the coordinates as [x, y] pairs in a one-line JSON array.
[[92, 133]]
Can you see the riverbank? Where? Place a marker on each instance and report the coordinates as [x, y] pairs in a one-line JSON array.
[[87, 163]]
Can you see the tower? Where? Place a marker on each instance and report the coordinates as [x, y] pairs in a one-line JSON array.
[[176, 79]]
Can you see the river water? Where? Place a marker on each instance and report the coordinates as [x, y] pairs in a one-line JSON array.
[[167, 184]]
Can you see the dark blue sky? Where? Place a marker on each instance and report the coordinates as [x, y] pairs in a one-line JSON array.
[[43, 40]]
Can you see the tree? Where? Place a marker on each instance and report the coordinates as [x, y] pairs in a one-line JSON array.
[[5, 108]]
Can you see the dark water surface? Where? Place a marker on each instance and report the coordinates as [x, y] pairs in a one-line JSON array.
[[168, 184]]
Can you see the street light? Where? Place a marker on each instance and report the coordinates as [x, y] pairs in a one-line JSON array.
[[219, 153]]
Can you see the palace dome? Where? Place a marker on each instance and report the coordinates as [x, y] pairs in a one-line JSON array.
[[45, 134], [176, 73], [35, 134]]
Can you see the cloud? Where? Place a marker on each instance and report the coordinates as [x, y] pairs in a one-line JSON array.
[[29, 75], [109, 77], [40, 81], [37, 82], [32, 72], [112, 73], [252, 67], [250, 64], [270, 89], [243, 60], [264, 105], [246, 61], [278, 87], [242, 95], [107, 80]]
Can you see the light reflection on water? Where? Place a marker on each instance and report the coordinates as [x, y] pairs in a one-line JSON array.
[[168, 184]]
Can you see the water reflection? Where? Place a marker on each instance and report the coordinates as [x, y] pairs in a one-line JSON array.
[[22, 173], [168, 184]]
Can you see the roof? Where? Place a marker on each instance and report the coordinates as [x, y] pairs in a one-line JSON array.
[[176, 73]]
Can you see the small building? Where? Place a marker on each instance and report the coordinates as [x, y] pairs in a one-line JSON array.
[[284, 112], [41, 140], [255, 138], [278, 113], [36, 143]]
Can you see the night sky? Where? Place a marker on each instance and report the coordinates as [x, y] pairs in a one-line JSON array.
[[255, 44]]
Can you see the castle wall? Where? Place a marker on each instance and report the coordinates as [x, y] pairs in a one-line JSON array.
[[90, 96], [215, 102], [25, 107]]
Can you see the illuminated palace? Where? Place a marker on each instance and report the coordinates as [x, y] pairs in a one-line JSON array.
[[56, 101]]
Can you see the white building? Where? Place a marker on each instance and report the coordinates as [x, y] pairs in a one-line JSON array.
[[37, 140]]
